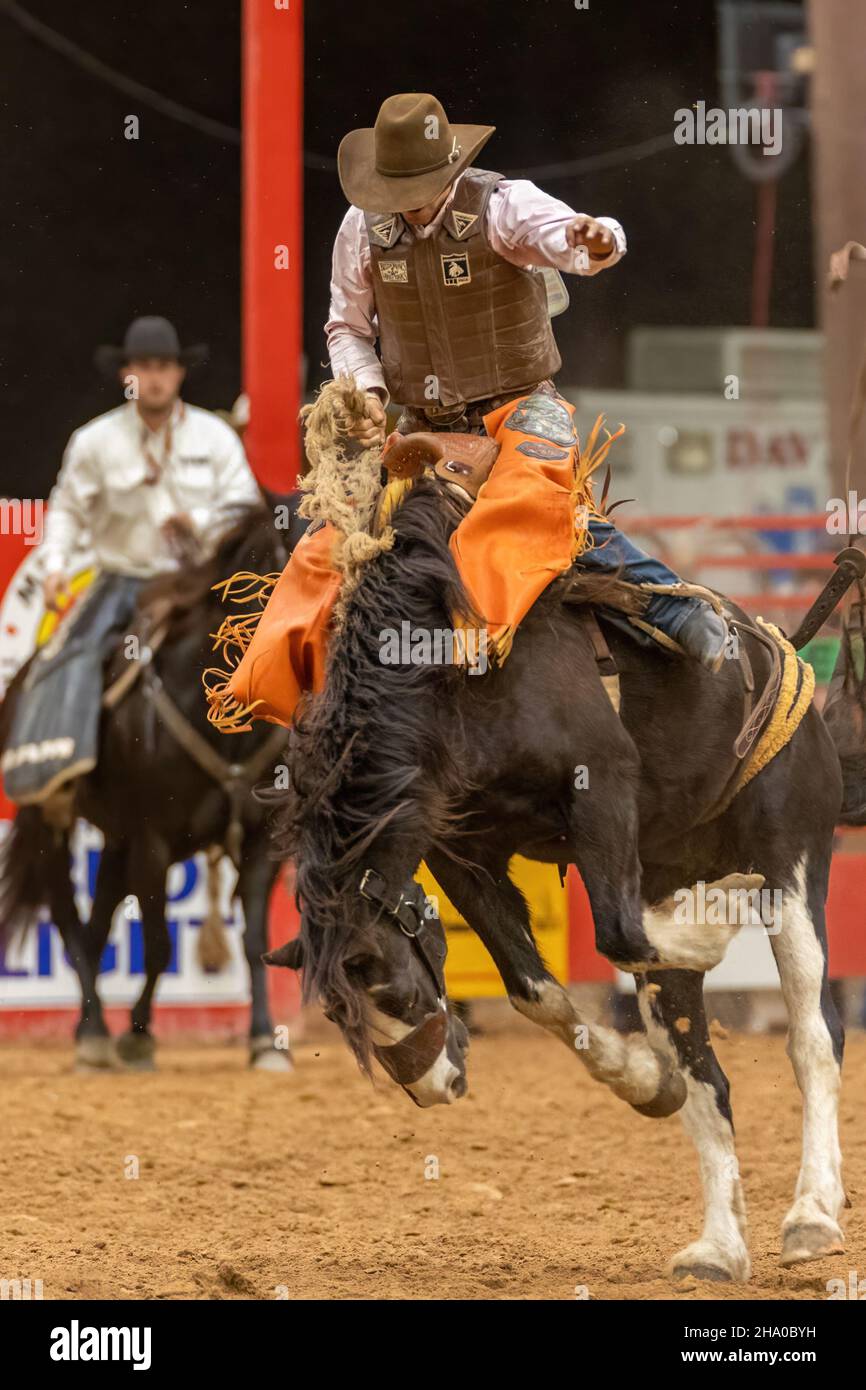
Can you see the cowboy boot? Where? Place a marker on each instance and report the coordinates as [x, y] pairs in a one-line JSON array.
[[704, 635], [690, 622]]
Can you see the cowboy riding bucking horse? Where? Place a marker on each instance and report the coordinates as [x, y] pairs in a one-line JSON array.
[[448, 265], [488, 517]]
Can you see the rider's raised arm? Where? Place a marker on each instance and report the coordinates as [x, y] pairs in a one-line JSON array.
[[526, 226], [70, 506], [352, 329]]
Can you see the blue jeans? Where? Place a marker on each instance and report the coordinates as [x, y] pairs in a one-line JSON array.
[[611, 550]]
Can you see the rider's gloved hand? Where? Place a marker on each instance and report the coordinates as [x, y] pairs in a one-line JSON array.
[[370, 429], [595, 236], [53, 585]]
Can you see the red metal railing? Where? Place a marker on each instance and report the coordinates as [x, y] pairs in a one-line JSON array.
[[764, 561]]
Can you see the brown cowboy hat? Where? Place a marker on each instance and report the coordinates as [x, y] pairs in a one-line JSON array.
[[409, 157]]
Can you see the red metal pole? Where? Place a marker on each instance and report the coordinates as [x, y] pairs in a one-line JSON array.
[[272, 250], [272, 235]]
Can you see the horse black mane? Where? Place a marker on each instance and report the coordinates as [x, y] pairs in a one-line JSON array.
[[365, 755]]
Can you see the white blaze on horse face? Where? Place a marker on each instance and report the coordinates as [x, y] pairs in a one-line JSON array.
[[436, 1086]]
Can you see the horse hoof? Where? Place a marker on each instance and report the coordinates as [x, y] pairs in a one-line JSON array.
[[711, 1263], [265, 1057], [811, 1241], [712, 1274], [95, 1054], [136, 1050]]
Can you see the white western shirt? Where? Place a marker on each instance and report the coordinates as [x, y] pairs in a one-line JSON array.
[[102, 499], [523, 224]]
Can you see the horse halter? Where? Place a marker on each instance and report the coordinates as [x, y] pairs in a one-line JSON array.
[[407, 1060]]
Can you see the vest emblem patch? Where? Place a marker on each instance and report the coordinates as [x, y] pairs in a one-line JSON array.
[[384, 231], [455, 268], [394, 272], [462, 221]]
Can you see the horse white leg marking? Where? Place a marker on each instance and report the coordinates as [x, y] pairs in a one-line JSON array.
[[435, 1087], [628, 1065], [694, 945], [720, 1252], [811, 1227]]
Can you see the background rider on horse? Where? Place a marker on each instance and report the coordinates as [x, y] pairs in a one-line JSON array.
[[145, 488]]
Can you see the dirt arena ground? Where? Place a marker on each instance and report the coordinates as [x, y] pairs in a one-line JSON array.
[[313, 1185]]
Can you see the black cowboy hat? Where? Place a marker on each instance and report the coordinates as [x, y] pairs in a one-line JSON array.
[[149, 336]]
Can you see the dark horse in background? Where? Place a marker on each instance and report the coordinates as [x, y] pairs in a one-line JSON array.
[[160, 794], [394, 764]]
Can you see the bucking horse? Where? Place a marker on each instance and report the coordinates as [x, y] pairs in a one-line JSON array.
[[660, 804], [162, 791]]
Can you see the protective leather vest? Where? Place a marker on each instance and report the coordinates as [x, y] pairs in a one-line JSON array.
[[457, 323]]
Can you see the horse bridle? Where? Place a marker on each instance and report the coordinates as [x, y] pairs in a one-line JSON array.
[[407, 1060]]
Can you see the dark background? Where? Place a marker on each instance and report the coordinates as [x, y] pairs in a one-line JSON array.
[[99, 228]]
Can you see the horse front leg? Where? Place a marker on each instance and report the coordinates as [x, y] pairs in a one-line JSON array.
[[258, 874], [92, 1045], [94, 1048], [496, 910], [148, 866]]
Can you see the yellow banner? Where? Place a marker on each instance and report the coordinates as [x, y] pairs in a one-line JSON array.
[[469, 971]]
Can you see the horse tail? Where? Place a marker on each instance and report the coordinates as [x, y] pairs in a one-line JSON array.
[[213, 946], [25, 856], [845, 717]]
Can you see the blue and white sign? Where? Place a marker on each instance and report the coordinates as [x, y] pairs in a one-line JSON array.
[[35, 973]]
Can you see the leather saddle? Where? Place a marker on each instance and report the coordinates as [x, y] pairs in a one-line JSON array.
[[462, 461]]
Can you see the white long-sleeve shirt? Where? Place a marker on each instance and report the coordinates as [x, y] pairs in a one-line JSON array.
[[102, 499], [523, 224]]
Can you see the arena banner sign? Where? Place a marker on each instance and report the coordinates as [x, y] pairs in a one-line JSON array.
[[35, 972], [704, 455], [469, 969]]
